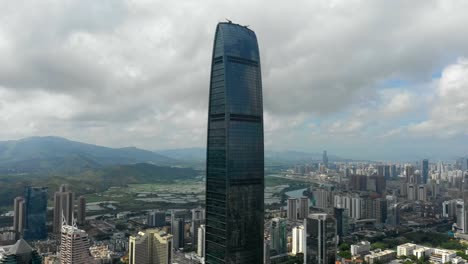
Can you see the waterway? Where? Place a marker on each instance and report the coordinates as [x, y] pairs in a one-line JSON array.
[[296, 193]]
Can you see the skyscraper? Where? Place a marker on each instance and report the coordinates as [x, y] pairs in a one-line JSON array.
[[303, 207], [198, 218], [279, 236], [18, 217], [81, 220], [325, 159], [178, 233], [36, 213], [152, 246], [425, 170], [235, 156], [156, 219], [292, 209], [74, 245], [63, 206], [298, 239], [320, 239], [201, 241]]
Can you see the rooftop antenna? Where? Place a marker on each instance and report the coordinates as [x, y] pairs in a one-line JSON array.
[[230, 22]]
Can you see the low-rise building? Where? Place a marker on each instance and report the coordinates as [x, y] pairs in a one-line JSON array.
[[379, 256], [435, 255], [360, 248]]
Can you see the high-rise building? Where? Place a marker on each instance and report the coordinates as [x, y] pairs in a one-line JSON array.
[[422, 192], [303, 207], [393, 171], [81, 220], [323, 199], [412, 192], [425, 171], [151, 246], [292, 209], [63, 207], [380, 207], [298, 239], [36, 213], [178, 233], [321, 239], [235, 152], [74, 245], [279, 236], [409, 173], [325, 159], [198, 218], [156, 219], [393, 215], [342, 222], [18, 217], [201, 241], [358, 182]]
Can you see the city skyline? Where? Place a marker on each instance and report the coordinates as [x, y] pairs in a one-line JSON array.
[[344, 75]]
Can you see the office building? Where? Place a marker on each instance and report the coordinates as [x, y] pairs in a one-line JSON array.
[[342, 222], [323, 198], [298, 239], [358, 182], [151, 246], [381, 210], [36, 213], [412, 193], [360, 248], [409, 172], [156, 219], [63, 207], [198, 218], [201, 241], [81, 220], [18, 216], [235, 151], [74, 245], [393, 215], [19, 253], [278, 236], [325, 159], [422, 193], [380, 256], [178, 233], [425, 171], [292, 209], [303, 207], [321, 239]]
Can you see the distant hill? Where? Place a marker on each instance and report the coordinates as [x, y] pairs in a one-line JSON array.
[[60, 155], [198, 156]]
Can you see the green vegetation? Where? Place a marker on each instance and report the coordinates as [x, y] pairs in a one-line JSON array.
[[94, 181]]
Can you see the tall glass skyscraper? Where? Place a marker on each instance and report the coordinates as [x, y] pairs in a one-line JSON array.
[[235, 157], [36, 213]]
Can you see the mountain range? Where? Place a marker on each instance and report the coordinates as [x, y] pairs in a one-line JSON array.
[[60, 156]]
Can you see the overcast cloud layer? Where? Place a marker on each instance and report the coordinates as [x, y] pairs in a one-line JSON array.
[[363, 79]]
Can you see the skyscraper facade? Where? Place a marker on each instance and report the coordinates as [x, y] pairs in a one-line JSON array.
[[279, 236], [74, 245], [425, 170], [36, 213], [63, 207], [18, 217], [320, 239], [325, 159], [178, 233], [235, 155], [81, 219], [151, 246], [292, 209], [303, 207]]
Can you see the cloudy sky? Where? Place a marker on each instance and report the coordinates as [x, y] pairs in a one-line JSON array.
[[362, 79]]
